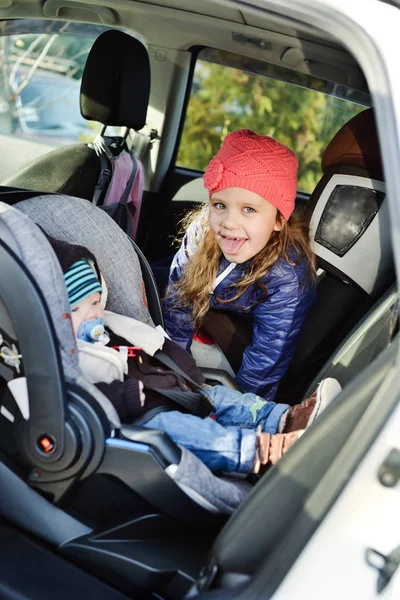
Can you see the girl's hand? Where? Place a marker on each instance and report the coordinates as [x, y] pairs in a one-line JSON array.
[[142, 396]]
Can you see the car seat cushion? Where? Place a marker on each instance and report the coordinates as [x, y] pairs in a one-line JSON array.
[[79, 222]]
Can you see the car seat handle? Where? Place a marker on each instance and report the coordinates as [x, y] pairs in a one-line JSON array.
[[44, 432]]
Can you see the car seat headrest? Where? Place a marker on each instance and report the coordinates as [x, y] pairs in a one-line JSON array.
[[356, 145], [350, 218], [78, 221], [115, 84]]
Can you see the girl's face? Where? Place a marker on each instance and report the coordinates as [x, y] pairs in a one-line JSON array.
[[87, 310], [242, 223]]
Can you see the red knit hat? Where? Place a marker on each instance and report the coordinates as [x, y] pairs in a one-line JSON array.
[[256, 163]]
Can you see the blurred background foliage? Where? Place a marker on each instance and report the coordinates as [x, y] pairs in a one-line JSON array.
[[39, 86], [224, 99]]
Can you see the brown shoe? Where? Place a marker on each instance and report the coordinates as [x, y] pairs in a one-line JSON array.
[[304, 414], [271, 447]]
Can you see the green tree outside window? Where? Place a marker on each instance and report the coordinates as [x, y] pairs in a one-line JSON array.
[[224, 99]]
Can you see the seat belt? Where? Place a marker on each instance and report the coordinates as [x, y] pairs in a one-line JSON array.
[[171, 364], [105, 156], [192, 402], [141, 142]]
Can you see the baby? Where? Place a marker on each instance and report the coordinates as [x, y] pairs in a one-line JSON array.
[[240, 432]]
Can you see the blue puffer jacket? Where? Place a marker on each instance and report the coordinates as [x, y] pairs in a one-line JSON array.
[[277, 320]]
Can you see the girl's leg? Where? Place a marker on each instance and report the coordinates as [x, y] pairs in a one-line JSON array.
[[234, 408], [221, 448]]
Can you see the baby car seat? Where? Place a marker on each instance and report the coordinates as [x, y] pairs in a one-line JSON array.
[[108, 494]]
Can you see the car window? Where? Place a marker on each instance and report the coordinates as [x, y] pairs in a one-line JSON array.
[[300, 111], [41, 80], [39, 90]]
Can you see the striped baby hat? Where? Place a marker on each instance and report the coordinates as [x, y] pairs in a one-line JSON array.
[[81, 281]]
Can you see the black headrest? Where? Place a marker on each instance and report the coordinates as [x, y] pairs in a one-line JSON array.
[[116, 81]]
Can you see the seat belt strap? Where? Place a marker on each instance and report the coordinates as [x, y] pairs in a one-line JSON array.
[[171, 364], [141, 142], [105, 156], [192, 402]]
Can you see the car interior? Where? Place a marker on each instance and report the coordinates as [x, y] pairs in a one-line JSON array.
[[108, 511]]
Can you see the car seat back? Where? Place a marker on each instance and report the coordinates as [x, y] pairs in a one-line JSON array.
[[350, 230], [365, 342], [114, 91], [150, 294]]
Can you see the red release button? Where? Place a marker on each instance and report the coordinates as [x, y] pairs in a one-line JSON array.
[[46, 444]]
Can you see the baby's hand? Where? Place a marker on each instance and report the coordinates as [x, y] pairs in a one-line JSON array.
[[142, 394]]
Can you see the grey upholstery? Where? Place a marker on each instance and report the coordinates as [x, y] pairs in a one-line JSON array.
[[36, 252], [77, 221]]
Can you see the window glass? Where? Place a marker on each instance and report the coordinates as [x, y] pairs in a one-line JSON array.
[[42, 66], [304, 115], [40, 82]]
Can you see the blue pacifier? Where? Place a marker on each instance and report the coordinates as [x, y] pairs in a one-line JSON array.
[[93, 331]]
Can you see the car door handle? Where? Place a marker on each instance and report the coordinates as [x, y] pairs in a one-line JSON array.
[[386, 565]]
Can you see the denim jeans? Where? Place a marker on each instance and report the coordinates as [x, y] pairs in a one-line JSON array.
[[228, 443]]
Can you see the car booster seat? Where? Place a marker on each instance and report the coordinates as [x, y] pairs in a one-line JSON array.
[[107, 494]]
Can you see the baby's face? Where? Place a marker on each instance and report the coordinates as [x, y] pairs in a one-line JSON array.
[[87, 310]]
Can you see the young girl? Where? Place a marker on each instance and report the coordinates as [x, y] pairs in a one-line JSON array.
[[247, 254]]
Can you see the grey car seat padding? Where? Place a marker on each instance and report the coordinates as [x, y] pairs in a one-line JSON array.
[[76, 221], [37, 254]]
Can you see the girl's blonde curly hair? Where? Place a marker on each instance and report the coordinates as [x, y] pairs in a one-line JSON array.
[[199, 274]]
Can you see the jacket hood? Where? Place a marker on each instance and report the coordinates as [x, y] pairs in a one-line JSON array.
[[68, 254]]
